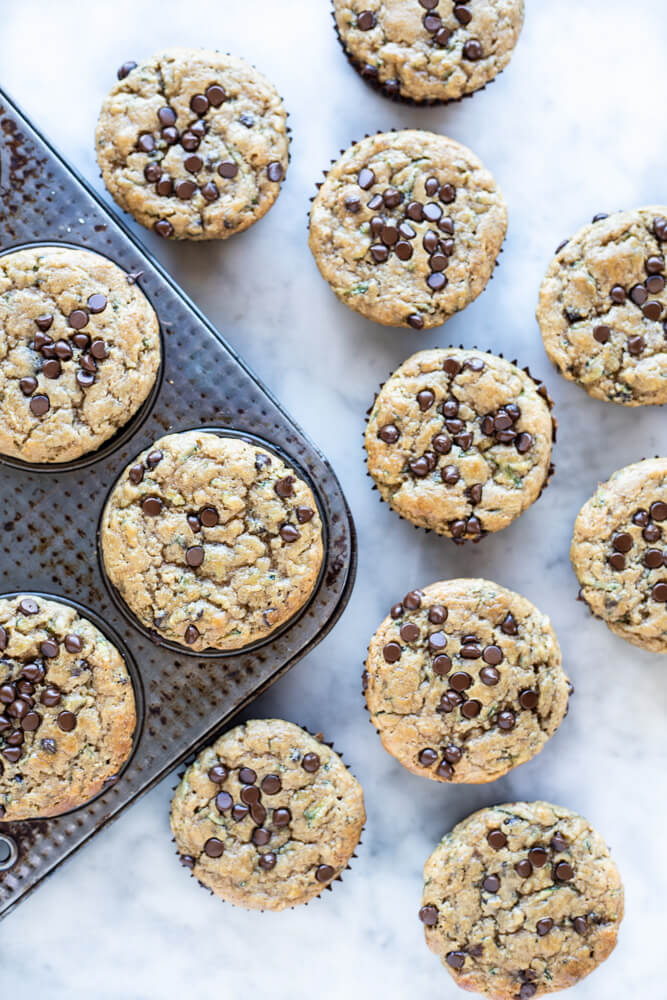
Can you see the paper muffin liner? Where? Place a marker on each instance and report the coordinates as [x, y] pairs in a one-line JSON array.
[[369, 75], [184, 859], [543, 392]]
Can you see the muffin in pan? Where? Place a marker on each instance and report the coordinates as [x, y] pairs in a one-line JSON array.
[[603, 307], [79, 352], [429, 51], [212, 542], [268, 816], [459, 441], [464, 681], [193, 143], [67, 708], [406, 228], [619, 555], [521, 900]]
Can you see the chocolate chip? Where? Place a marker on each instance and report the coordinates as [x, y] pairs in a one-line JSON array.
[[450, 475], [406, 231], [49, 746], [274, 171], [164, 228], [447, 194], [454, 958], [31, 722], [185, 189], [310, 762], [653, 558], [304, 514], [228, 169], [437, 614], [559, 842], [651, 533], [442, 37], [472, 50], [544, 926], [602, 333], [523, 443], [617, 561], [152, 172], [365, 178], [460, 681], [491, 883], [523, 868], [12, 754], [151, 506], [214, 847], [617, 294], [429, 4], [622, 541], [506, 720], [146, 143], [136, 474], [389, 434], [436, 281], [652, 310], [659, 592], [415, 211], [218, 773], [216, 95], [658, 511], [281, 817], [194, 556], [470, 650], [655, 284], [52, 369], [67, 721], [428, 915], [660, 228], [126, 68], [35, 672], [191, 634], [28, 385], [409, 632], [462, 14], [285, 487], [324, 873], [268, 861], [529, 698], [193, 163], [496, 839], [538, 857], [379, 252], [428, 757], [223, 802], [28, 607], [509, 625], [489, 676], [49, 649], [563, 872], [271, 784], [403, 250], [580, 925], [81, 340], [250, 794], [391, 652], [471, 709]]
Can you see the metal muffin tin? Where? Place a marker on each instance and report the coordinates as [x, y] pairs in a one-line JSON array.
[[51, 513]]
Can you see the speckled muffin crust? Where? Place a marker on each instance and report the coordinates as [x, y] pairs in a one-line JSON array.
[[521, 900], [429, 50], [603, 307], [79, 352], [67, 712], [460, 442], [620, 556], [268, 816], [211, 541], [464, 681], [406, 228], [193, 143]]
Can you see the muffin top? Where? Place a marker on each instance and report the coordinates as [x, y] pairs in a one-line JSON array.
[[79, 352], [464, 681], [429, 50], [67, 711], [193, 143], [211, 541], [268, 816], [603, 307], [459, 441], [619, 553], [406, 228], [520, 900]]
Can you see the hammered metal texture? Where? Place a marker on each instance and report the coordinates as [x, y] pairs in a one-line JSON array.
[[50, 518]]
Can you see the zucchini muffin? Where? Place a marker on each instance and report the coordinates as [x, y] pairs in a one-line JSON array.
[[429, 50], [620, 556], [67, 711], [79, 352], [194, 144], [460, 441], [603, 307], [521, 900], [406, 228], [268, 816], [211, 542], [464, 681]]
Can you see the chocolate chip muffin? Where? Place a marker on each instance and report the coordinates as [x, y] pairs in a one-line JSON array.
[[79, 352], [212, 542], [429, 50], [460, 442], [619, 554], [67, 710], [406, 228], [193, 143], [464, 681], [268, 816], [603, 307], [521, 900]]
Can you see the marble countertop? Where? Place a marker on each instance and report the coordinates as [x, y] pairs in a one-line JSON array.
[[571, 128]]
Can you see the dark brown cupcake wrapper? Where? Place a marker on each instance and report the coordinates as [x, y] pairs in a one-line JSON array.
[[543, 392], [329, 886], [369, 75]]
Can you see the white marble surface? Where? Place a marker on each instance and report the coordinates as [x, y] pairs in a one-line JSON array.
[[573, 127]]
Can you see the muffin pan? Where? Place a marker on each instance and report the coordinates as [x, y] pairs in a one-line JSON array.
[[51, 513]]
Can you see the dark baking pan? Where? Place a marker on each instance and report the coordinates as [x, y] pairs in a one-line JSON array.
[[50, 514]]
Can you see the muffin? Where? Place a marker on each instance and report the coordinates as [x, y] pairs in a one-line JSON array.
[[268, 816], [406, 228], [67, 711], [521, 900], [603, 307], [459, 441], [79, 352], [464, 681], [428, 50], [619, 554], [211, 542], [194, 144]]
